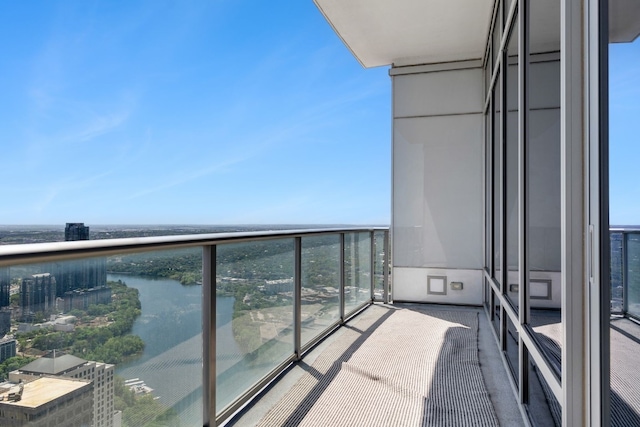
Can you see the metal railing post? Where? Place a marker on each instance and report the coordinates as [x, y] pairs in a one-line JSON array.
[[372, 264], [209, 335], [297, 297], [385, 268], [625, 275], [341, 284]]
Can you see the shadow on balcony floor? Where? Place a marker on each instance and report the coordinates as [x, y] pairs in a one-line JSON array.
[[405, 365], [625, 376]]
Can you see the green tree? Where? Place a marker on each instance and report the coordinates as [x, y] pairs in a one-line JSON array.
[[13, 363], [14, 300]]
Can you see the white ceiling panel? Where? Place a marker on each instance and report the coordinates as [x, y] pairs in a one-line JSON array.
[[409, 32]]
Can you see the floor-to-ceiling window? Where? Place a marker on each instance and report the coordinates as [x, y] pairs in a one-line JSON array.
[[624, 318], [522, 194]]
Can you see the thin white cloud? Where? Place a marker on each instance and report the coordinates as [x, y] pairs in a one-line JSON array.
[[97, 126], [69, 185], [184, 178]]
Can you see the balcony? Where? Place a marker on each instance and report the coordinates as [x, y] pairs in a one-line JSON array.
[[249, 304], [286, 328]]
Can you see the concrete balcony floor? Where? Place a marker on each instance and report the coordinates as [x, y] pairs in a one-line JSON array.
[[402, 365]]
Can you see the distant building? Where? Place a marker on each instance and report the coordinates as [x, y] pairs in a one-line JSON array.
[[79, 274], [5, 321], [5, 287], [37, 294], [46, 401], [81, 299], [76, 231], [65, 365], [7, 348]]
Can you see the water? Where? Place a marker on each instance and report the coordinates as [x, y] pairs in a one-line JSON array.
[[171, 327]]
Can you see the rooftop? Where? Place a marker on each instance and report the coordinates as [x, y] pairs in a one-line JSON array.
[[43, 390], [53, 364]]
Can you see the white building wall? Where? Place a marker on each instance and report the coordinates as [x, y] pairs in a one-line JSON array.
[[103, 390], [437, 182]]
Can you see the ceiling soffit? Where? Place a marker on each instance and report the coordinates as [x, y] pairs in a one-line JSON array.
[[409, 32]]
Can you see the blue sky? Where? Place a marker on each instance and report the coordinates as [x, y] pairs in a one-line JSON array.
[[207, 112], [213, 112], [624, 133]]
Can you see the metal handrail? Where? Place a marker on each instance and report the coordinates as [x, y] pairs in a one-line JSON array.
[[31, 253]]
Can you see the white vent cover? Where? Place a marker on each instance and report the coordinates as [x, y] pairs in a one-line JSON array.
[[436, 285], [540, 289]]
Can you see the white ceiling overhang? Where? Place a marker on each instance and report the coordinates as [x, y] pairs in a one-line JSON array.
[[624, 20], [410, 32]]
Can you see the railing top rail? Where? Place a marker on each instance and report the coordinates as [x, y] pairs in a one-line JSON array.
[[627, 229], [56, 251]]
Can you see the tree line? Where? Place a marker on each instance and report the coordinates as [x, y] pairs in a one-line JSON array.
[[111, 343]]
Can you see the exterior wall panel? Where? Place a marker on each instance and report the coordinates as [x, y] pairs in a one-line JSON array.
[[470, 294], [438, 93], [437, 182]]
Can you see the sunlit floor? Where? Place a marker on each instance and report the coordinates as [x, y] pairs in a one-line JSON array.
[[625, 375], [404, 365]]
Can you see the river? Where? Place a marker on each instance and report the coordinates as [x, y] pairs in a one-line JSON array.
[[171, 327]]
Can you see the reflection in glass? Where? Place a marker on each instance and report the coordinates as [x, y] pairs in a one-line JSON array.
[[632, 273], [616, 273], [320, 298], [357, 270], [544, 181], [487, 295], [625, 335], [625, 376], [544, 32], [497, 34], [254, 321], [497, 313], [144, 322], [378, 266], [512, 348], [497, 181], [487, 197], [511, 169], [543, 407]]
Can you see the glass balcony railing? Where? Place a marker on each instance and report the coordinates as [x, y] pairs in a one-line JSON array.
[[187, 328], [625, 272]]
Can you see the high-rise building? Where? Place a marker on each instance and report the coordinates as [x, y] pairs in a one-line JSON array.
[[37, 294], [83, 274], [81, 299], [80, 275], [5, 287], [7, 348], [46, 402], [59, 364], [76, 231], [5, 320]]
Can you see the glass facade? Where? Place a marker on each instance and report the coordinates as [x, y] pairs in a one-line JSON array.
[[522, 196]]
